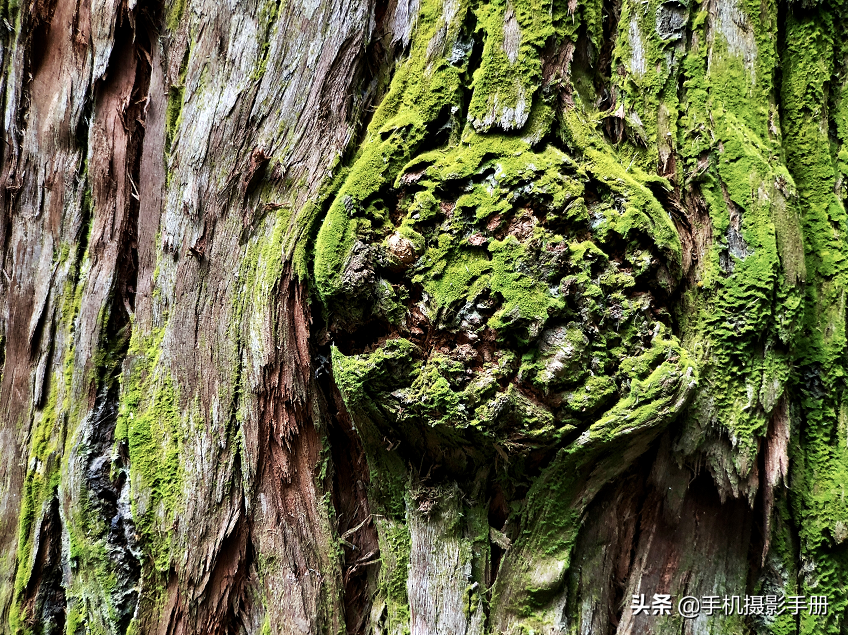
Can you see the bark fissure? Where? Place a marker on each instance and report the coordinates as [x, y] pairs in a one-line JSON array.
[[422, 316]]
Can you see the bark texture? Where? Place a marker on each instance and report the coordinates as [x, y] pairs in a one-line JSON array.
[[421, 316]]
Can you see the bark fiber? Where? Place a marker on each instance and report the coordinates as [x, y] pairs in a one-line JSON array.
[[421, 316]]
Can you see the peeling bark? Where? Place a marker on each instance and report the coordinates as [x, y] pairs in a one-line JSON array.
[[421, 317]]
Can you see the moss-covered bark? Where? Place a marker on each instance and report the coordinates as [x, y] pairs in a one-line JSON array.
[[421, 317]]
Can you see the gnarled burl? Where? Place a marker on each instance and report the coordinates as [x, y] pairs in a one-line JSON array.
[[421, 316]]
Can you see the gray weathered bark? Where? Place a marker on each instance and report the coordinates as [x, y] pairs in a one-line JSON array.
[[421, 317]]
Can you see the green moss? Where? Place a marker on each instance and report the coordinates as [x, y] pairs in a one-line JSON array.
[[504, 85], [267, 19], [421, 89], [821, 458], [53, 423], [175, 14], [40, 486], [517, 239], [176, 93], [395, 548], [10, 11], [746, 307], [661, 380], [150, 420], [75, 618], [91, 593], [173, 113], [484, 211]]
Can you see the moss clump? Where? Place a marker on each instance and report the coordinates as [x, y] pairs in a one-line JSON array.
[[175, 14], [173, 113], [267, 19], [150, 421], [422, 89], [176, 93], [509, 75], [815, 61], [40, 488], [522, 314], [534, 308], [663, 379], [394, 553], [51, 426]]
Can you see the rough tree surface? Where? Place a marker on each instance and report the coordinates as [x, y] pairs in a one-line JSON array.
[[421, 316]]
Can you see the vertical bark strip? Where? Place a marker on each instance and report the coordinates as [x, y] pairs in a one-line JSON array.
[[421, 316], [167, 411]]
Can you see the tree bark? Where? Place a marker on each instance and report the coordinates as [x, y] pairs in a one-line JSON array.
[[421, 316]]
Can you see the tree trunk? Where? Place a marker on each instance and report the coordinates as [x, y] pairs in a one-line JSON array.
[[422, 316]]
